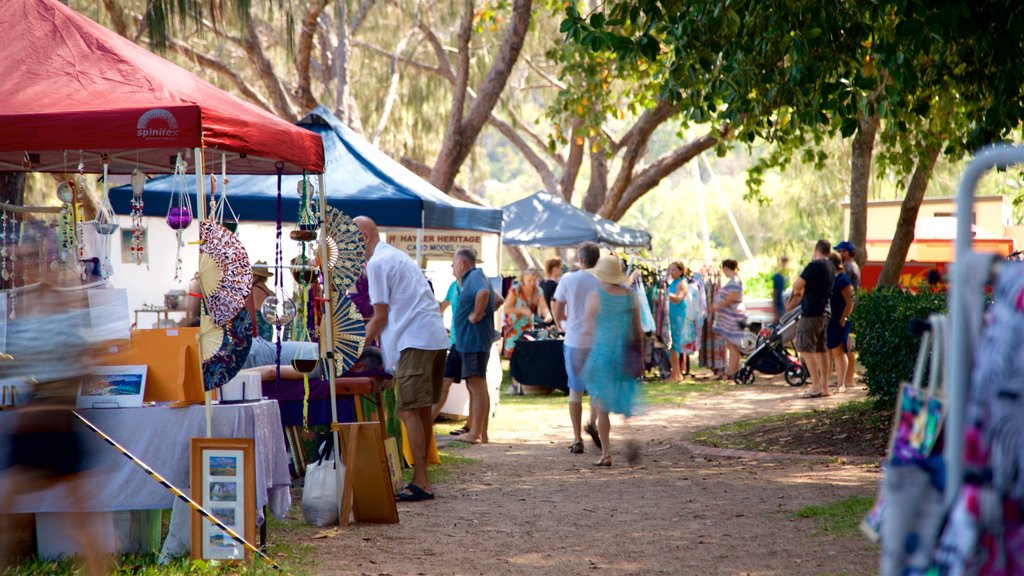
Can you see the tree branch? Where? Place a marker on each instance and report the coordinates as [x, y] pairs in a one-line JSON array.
[[510, 133], [402, 59], [646, 179], [597, 190], [360, 16], [208, 62], [573, 161], [278, 95], [423, 171], [304, 53], [117, 17], [634, 144], [389, 100], [645, 125]]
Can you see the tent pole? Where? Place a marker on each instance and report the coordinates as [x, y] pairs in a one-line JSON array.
[[201, 216], [328, 341]]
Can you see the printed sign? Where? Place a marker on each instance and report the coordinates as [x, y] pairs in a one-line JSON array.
[[437, 244]]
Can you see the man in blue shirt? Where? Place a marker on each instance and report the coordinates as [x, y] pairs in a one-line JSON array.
[[778, 287], [473, 324]]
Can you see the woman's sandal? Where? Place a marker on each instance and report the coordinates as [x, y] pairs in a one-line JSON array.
[[576, 448], [413, 493], [459, 431], [605, 461]]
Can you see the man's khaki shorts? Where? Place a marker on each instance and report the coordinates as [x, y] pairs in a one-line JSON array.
[[418, 378], [810, 334]]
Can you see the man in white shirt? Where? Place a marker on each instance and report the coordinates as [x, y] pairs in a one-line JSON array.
[[413, 340], [570, 303]]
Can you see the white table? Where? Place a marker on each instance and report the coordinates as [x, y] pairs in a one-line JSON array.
[[160, 436]]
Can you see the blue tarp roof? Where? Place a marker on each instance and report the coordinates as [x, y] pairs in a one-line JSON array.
[[544, 219], [361, 180]]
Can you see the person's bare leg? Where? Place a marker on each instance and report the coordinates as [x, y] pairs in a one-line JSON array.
[[851, 368], [822, 363], [427, 422], [673, 359], [84, 531], [576, 415], [839, 361], [417, 443], [446, 385], [811, 359], [604, 430], [734, 358], [480, 409]]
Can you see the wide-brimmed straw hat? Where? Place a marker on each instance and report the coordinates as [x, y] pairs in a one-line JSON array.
[[609, 269], [260, 270]]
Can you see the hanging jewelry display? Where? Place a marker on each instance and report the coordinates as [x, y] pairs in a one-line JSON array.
[[308, 359], [278, 310], [66, 242], [138, 245], [94, 236], [179, 212], [5, 273]]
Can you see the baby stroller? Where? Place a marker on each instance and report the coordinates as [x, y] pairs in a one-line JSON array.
[[770, 355]]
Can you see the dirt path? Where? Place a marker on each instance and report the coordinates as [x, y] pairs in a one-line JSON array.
[[530, 507]]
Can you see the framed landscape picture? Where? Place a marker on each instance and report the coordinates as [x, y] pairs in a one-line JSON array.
[[113, 387], [223, 477]]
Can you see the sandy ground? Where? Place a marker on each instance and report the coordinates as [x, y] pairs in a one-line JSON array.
[[530, 507]]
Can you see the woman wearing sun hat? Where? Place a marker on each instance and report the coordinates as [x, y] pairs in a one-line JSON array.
[[260, 292], [610, 370]]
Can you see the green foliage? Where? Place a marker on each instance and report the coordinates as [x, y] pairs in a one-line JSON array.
[[840, 518], [887, 348], [759, 286], [143, 565]]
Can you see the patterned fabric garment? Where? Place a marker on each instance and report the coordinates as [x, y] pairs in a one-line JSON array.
[[729, 320], [984, 532], [606, 374], [518, 324], [677, 316], [695, 310]]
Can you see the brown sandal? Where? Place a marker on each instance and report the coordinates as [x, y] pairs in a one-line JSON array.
[[605, 461]]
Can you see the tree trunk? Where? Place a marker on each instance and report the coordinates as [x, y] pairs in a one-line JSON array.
[[458, 142], [904, 235], [345, 107], [12, 188], [573, 161], [304, 52], [598, 187], [860, 178]]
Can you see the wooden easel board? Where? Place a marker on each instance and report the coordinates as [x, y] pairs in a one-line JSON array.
[[367, 479]]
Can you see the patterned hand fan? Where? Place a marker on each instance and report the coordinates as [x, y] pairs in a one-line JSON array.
[[225, 274], [346, 250], [348, 333], [224, 350]]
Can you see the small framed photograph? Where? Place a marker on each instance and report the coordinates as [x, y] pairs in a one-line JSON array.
[[113, 387], [224, 483]]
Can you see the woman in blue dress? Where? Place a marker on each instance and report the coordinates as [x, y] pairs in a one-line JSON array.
[[837, 331], [613, 365], [677, 316]]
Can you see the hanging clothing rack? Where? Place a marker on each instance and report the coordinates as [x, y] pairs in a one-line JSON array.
[[960, 345]]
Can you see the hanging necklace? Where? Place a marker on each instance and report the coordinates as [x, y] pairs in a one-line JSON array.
[[138, 245], [179, 212]]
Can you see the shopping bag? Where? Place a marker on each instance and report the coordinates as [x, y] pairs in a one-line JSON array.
[[919, 411], [320, 496]]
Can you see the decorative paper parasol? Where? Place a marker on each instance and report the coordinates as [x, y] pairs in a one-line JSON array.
[[346, 249], [223, 350], [348, 333], [225, 274]]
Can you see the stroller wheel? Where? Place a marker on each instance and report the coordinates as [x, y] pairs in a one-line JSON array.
[[744, 376], [797, 376]]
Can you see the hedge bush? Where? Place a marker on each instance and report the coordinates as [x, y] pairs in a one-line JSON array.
[[886, 347]]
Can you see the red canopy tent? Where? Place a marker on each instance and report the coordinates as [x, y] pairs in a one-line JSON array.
[[70, 85]]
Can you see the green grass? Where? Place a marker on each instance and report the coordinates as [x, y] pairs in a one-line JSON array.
[[144, 565], [840, 518], [451, 465], [732, 435]]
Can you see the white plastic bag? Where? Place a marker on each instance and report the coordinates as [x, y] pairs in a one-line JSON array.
[[320, 492]]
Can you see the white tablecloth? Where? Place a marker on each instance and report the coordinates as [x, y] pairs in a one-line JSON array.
[[160, 437]]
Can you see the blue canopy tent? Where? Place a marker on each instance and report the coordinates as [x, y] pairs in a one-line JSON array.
[[360, 180], [544, 219]]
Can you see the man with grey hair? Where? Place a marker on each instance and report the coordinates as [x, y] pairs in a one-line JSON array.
[[413, 342], [473, 324], [570, 302]]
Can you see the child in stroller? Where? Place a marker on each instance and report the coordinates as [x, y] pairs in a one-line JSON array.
[[770, 355]]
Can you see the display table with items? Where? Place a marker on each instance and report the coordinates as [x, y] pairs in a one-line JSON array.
[[539, 363], [290, 395], [160, 437]]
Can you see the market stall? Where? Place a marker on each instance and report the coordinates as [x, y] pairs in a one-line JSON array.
[[85, 100]]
